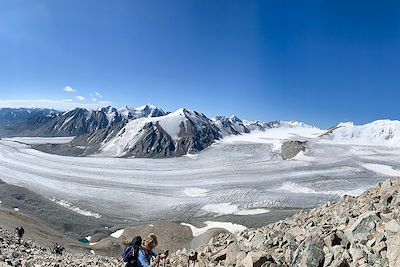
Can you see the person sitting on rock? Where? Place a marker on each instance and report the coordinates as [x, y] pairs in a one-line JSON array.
[[147, 257]]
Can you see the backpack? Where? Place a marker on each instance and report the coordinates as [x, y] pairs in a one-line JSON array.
[[131, 252]]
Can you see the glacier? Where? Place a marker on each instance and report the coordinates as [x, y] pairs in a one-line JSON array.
[[245, 172]]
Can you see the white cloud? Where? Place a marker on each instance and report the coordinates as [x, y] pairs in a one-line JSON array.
[[48, 103], [104, 103], [69, 89], [98, 94], [67, 100], [94, 99], [80, 98]]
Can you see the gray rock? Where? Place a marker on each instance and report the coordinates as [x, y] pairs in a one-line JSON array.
[[291, 148], [392, 231], [313, 254], [231, 254], [364, 224], [254, 259]]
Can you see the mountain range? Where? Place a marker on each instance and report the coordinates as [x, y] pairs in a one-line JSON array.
[[150, 132], [146, 131]]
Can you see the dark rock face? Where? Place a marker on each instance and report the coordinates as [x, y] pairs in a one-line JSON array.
[[194, 138], [234, 125], [291, 148], [196, 133], [78, 121], [14, 116], [99, 136], [83, 145], [153, 143], [72, 123], [10, 118], [230, 125]]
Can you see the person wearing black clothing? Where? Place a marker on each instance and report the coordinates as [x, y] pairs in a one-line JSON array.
[[19, 233], [131, 252]]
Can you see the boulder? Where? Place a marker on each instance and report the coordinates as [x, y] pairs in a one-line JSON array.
[[254, 259], [392, 232], [365, 224]]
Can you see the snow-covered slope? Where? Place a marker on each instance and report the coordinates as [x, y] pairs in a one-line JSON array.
[[380, 132], [174, 134]]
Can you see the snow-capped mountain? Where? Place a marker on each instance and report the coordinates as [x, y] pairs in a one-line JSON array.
[[71, 123], [230, 125], [146, 131], [174, 134], [82, 121], [291, 124], [234, 125], [146, 111], [380, 132], [11, 117], [14, 116]]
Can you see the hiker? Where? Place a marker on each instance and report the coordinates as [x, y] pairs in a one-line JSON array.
[[147, 257], [131, 252], [58, 249], [192, 258], [19, 233]]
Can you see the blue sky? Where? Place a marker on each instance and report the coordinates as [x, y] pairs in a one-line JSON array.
[[320, 62]]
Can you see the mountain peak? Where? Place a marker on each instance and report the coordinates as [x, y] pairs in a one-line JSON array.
[[182, 112], [147, 106], [235, 119], [145, 111], [107, 109]]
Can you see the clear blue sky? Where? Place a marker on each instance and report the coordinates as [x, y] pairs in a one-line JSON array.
[[320, 62]]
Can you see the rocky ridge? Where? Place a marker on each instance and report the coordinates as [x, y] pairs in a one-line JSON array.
[[71, 123], [356, 231], [11, 117]]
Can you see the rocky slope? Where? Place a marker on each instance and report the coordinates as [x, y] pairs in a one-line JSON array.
[[30, 254], [355, 231]]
